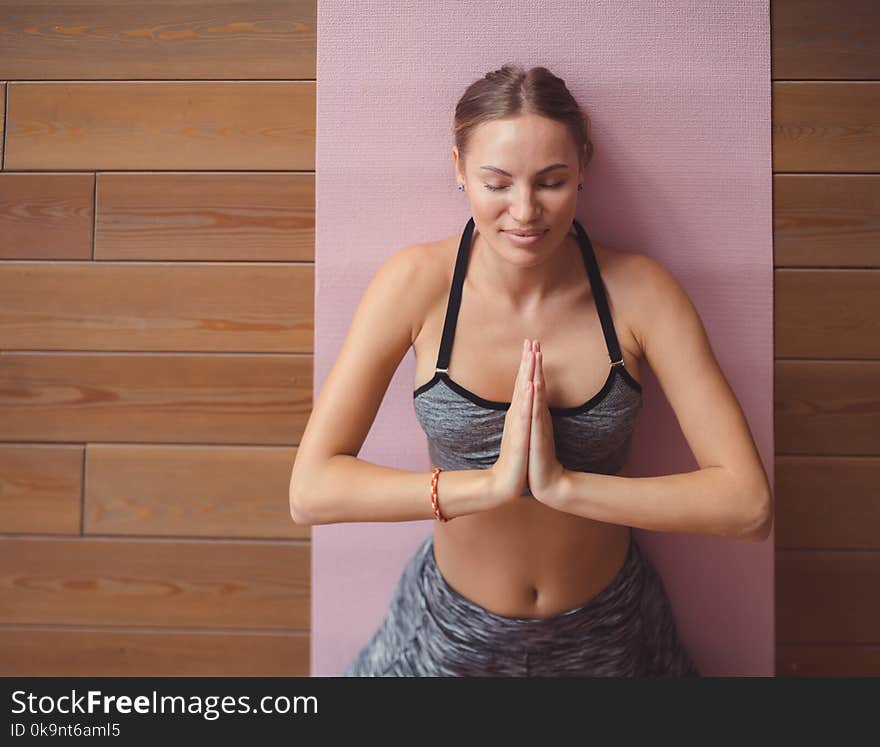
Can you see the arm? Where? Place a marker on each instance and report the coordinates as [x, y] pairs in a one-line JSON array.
[[328, 482], [351, 489], [729, 495]]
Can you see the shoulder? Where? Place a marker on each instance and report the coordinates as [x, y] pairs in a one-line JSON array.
[[418, 274], [635, 273], [426, 267], [638, 283]]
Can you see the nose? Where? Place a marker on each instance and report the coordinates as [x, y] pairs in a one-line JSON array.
[[524, 205]]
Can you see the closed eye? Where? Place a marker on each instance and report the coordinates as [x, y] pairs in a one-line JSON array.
[[546, 186]]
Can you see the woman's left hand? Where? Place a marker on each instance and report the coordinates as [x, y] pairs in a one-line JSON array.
[[545, 472]]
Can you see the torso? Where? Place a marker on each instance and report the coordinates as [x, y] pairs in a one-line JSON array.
[[525, 559]]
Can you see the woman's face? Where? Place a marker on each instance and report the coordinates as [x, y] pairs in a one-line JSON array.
[[527, 197]]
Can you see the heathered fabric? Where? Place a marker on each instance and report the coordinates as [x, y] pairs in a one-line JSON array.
[[464, 435], [430, 630]]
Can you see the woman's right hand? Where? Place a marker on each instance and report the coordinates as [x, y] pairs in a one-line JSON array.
[[507, 477]]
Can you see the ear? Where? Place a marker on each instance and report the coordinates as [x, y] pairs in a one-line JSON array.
[[455, 160]]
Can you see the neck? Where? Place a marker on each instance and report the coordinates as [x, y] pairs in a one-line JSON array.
[[525, 287]]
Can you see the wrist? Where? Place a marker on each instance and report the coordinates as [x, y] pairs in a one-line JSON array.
[[560, 490], [488, 488]]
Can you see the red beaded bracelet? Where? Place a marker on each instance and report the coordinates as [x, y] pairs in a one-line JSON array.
[[434, 474]]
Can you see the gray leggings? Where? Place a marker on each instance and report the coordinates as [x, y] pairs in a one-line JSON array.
[[430, 630]]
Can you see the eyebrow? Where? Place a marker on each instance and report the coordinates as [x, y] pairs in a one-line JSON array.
[[546, 168]]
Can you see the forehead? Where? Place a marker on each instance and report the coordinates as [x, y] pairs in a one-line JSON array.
[[525, 137]]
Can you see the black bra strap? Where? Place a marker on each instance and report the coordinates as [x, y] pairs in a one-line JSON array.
[[454, 302], [599, 294]]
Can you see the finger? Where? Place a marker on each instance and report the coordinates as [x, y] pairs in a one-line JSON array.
[[539, 369], [524, 360], [537, 386], [530, 364], [521, 371], [523, 374], [528, 375]]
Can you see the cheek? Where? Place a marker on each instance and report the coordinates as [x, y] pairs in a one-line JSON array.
[[487, 208]]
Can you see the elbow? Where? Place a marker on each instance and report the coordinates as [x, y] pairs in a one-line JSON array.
[[301, 490], [298, 511], [759, 518]]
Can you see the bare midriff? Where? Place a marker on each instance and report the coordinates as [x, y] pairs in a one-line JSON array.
[[525, 559]]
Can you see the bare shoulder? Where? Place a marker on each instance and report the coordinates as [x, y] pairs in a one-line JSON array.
[[644, 286], [632, 280], [628, 271], [431, 265]]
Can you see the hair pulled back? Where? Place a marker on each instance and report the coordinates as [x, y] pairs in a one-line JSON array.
[[512, 90]]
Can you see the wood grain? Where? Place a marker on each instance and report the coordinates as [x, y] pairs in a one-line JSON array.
[[827, 407], [197, 491], [195, 584], [157, 306], [828, 597], [110, 652], [196, 216], [46, 216], [152, 398], [132, 39], [826, 126], [124, 125], [41, 488], [827, 502], [824, 40], [825, 220], [832, 313]]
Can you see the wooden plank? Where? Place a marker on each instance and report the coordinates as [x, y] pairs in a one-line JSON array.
[[209, 584], [152, 306], [826, 220], [827, 503], [107, 652], [253, 217], [161, 125], [41, 488], [829, 313], [199, 491], [827, 407], [827, 597], [131, 39], [826, 660], [817, 39], [138, 398], [823, 126], [46, 216]]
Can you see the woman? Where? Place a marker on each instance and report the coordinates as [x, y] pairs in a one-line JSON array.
[[531, 569]]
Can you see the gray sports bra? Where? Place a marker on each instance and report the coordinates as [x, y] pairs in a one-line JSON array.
[[464, 430]]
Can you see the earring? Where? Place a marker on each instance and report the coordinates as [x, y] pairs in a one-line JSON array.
[[580, 187], [461, 187]]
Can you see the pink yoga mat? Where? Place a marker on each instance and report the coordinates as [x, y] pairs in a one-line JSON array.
[[679, 96]]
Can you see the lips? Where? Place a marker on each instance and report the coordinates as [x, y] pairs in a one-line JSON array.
[[524, 234]]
